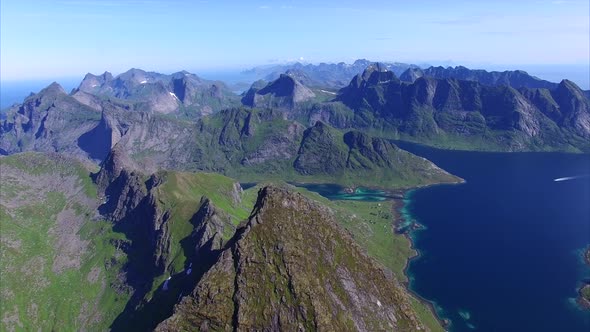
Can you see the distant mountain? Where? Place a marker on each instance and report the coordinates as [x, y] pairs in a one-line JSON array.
[[161, 93], [462, 113], [53, 121], [283, 93], [513, 78], [326, 75], [50, 120], [290, 267]]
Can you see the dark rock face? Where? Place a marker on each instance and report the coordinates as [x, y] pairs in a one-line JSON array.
[[99, 141], [291, 268], [210, 224]]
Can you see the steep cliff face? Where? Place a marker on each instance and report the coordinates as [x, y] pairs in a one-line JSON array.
[[290, 267]]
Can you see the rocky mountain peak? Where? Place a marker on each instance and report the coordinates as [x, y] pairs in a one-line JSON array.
[[116, 162], [291, 267], [53, 89], [411, 75], [284, 92]]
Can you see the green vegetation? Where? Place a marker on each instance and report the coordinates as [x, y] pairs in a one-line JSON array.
[[53, 253]]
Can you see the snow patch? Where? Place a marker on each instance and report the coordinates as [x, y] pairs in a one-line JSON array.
[[329, 92], [143, 82]]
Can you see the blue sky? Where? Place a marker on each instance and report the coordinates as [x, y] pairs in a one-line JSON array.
[[45, 39]]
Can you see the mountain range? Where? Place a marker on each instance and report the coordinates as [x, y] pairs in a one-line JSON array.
[[465, 114], [122, 206], [181, 91], [514, 78], [326, 75]]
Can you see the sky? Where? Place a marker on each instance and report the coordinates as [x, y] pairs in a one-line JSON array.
[[49, 39]]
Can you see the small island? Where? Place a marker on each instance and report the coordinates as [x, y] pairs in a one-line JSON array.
[[584, 292]]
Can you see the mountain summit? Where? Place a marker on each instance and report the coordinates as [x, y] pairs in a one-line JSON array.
[[290, 267]]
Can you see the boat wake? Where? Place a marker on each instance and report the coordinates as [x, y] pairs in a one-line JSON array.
[[567, 178]]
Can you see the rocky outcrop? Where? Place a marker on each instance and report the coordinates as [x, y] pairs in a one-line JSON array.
[[210, 225], [290, 267]]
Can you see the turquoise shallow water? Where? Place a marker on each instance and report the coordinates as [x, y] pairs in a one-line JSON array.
[[334, 191]]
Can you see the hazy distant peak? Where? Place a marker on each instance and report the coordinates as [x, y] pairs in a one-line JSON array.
[[54, 88]]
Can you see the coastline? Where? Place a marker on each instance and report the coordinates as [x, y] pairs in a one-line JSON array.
[[583, 298], [399, 220]]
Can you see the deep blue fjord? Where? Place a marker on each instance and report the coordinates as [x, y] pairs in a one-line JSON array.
[[502, 252]]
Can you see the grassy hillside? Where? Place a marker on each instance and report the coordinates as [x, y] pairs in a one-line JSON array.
[[54, 249]]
